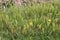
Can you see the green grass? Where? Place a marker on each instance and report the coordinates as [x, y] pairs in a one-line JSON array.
[[37, 22]]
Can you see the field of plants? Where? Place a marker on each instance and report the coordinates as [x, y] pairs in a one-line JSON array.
[[36, 22]]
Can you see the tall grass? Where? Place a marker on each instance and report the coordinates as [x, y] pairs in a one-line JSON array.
[[37, 22]]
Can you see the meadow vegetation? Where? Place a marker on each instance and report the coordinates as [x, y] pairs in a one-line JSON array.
[[36, 22]]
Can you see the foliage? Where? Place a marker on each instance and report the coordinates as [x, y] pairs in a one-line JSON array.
[[37, 22]]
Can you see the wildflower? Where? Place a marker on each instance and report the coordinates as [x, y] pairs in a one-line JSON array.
[[49, 20], [31, 23]]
